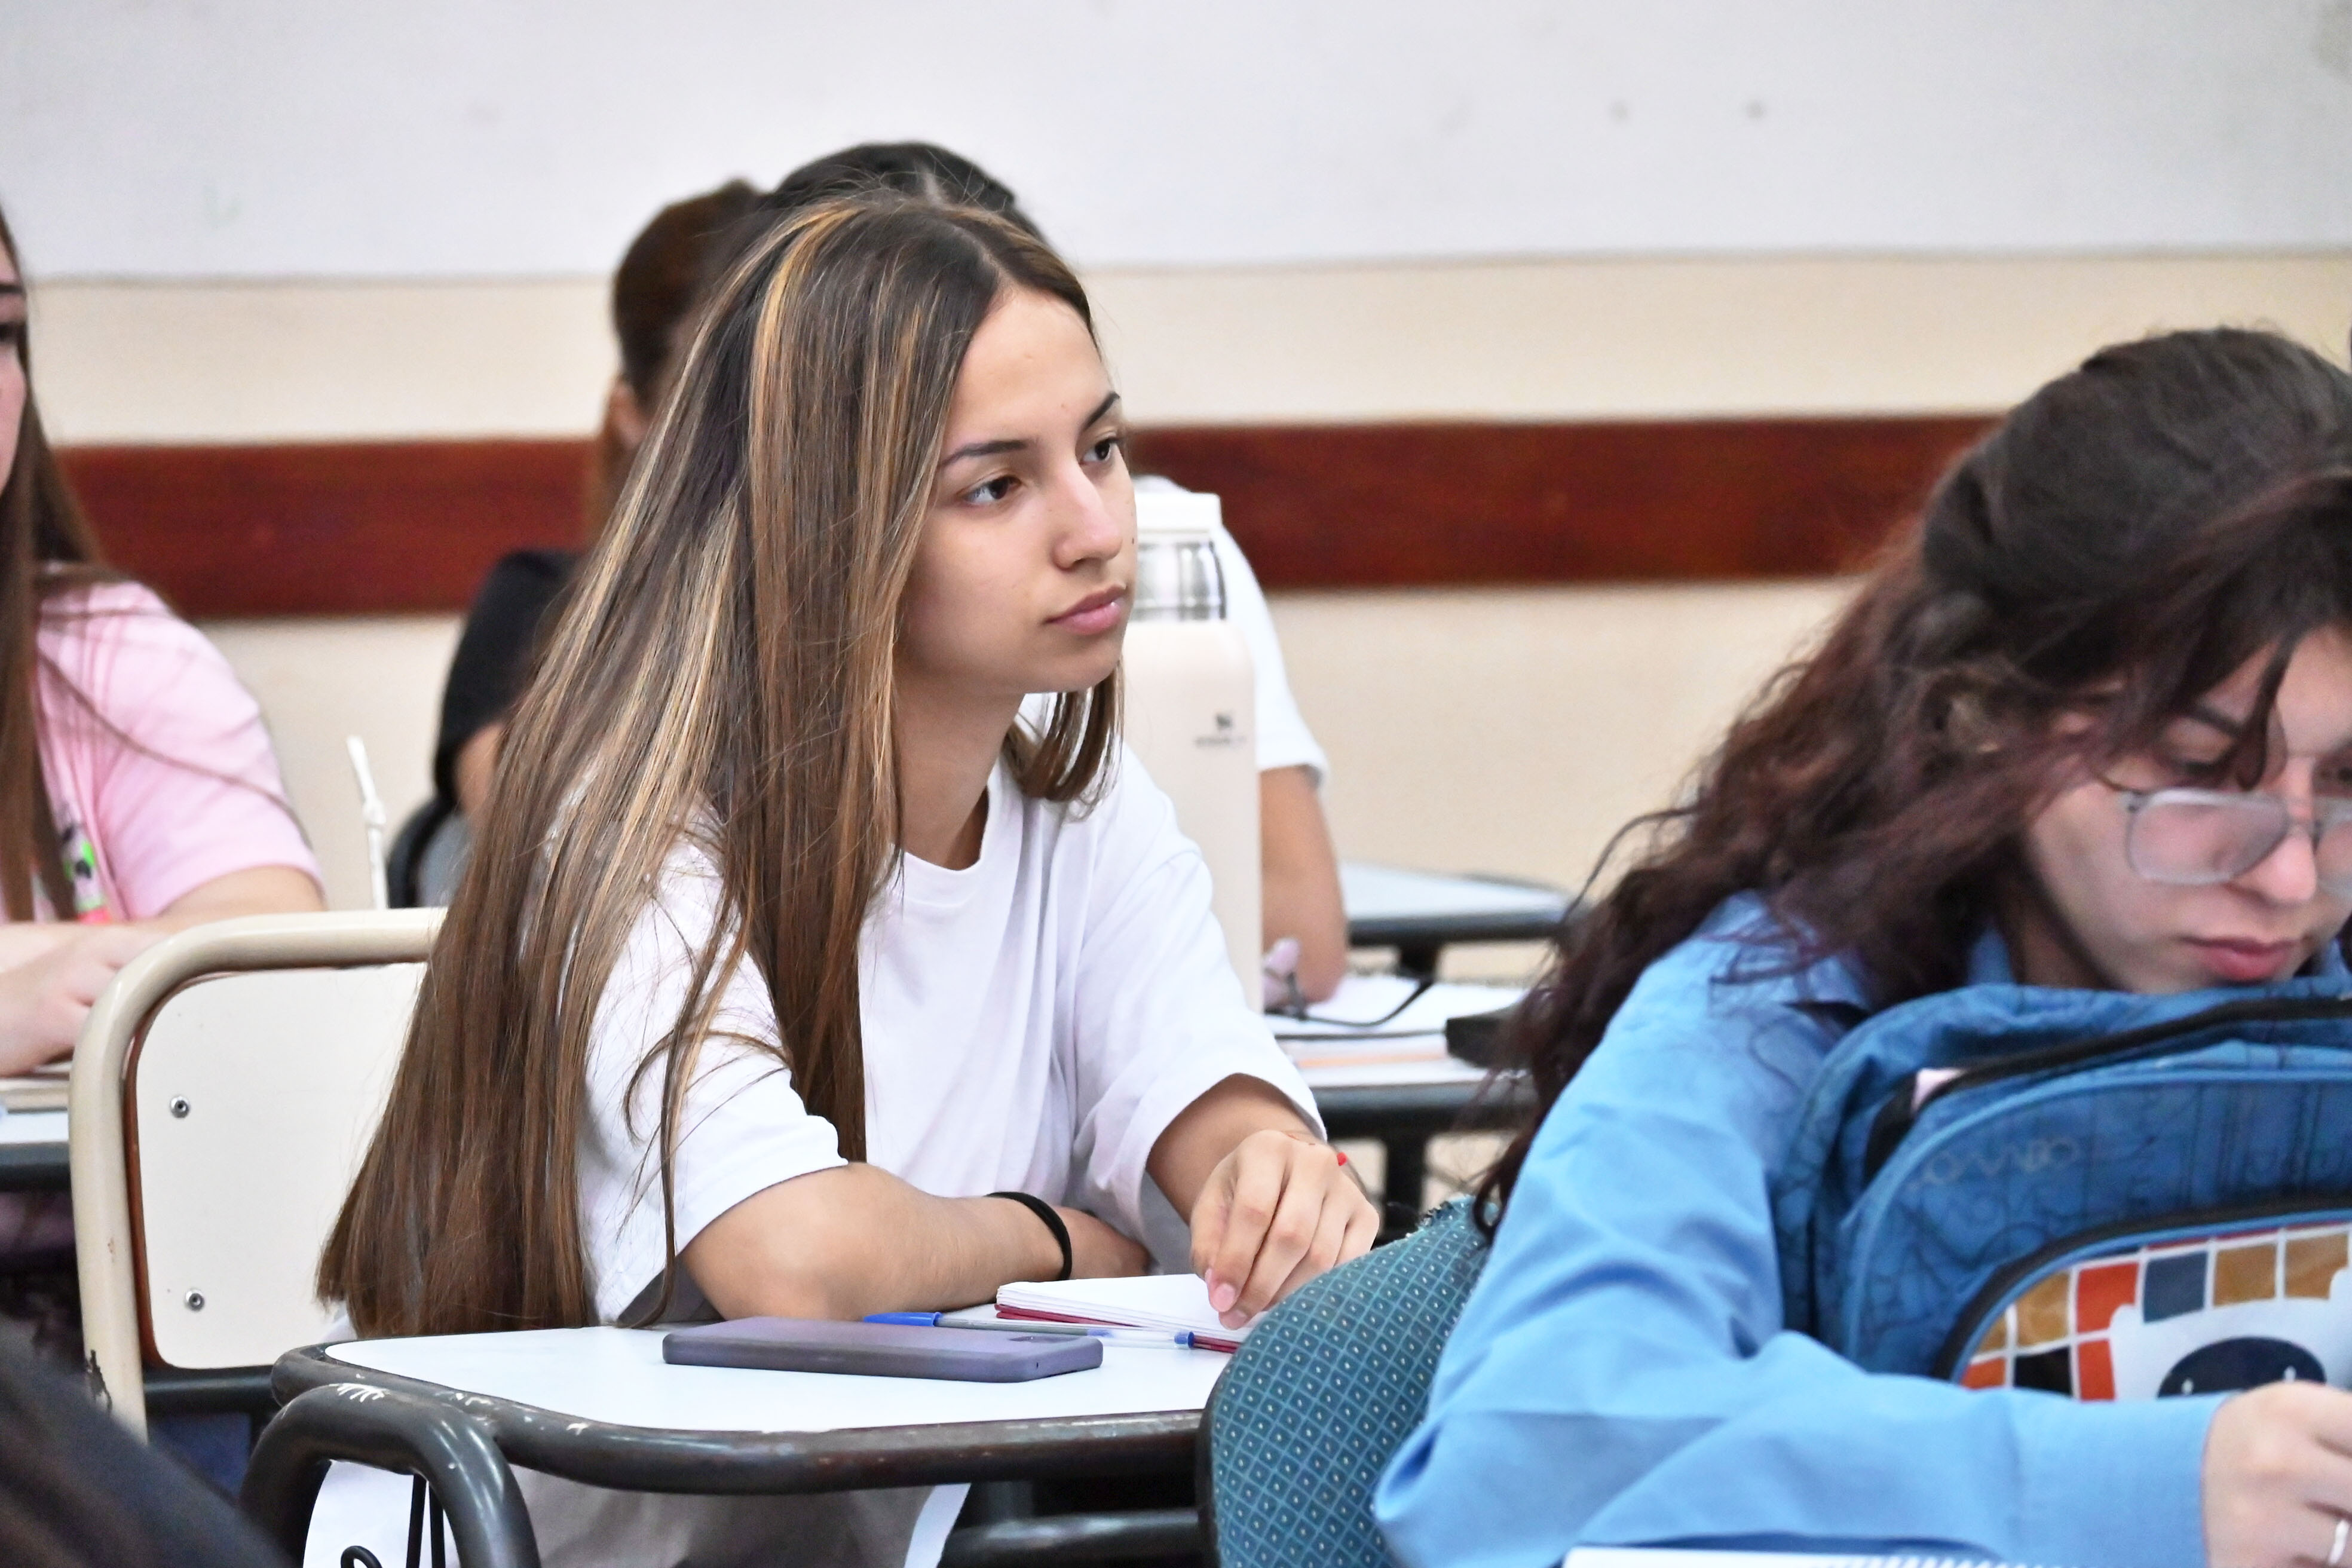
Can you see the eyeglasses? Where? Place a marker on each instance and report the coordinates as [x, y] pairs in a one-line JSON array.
[[2195, 837]]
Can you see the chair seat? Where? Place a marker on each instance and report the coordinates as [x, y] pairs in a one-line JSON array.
[[1324, 1392]]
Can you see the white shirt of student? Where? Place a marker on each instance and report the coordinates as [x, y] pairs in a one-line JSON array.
[[1032, 1023]]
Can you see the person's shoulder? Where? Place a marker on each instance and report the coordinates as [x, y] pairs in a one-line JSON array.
[[1746, 955], [551, 567], [91, 625]]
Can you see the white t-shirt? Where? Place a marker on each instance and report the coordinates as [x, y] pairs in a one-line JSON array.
[[1284, 740], [1032, 1023]]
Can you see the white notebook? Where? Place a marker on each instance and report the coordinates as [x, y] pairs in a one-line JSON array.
[[1173, 1303]]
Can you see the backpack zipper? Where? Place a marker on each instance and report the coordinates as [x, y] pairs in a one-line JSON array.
[[1899, 1113]]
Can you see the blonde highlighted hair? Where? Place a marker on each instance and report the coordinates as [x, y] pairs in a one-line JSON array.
[[724, 669]]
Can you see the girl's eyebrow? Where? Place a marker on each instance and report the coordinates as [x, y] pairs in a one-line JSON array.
[[1019, 444]]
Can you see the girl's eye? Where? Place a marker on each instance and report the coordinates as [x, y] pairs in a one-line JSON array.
[[1102, 450], [2194, 769], [988, 492]]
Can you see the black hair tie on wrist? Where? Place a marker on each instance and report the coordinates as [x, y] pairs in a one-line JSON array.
[[1045, 1211]]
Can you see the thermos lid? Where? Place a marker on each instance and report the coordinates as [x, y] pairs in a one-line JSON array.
[[1163, 511]]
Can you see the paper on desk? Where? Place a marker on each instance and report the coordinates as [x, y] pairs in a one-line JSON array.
[[1362, 998], [1172, 1303]]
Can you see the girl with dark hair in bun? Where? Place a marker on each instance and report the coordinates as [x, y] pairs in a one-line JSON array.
[[2126, 612]]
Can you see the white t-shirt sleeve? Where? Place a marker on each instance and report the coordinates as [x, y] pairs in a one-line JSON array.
[[1158, 1015], [1284, 740], [743, 1128]]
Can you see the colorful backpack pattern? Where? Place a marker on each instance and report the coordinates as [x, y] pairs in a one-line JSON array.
[[2094, 1193]]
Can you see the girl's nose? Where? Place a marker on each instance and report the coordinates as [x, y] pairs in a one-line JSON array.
[[1088, 527], [2288, 875]]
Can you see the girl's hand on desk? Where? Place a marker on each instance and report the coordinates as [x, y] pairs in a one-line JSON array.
[[2278, 1475], [44, 1000], [1276, 1211]]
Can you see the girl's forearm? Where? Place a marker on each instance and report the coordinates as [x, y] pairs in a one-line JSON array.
[[856, 1239]]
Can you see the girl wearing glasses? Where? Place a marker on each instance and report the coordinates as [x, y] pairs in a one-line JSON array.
[[2089, 725]]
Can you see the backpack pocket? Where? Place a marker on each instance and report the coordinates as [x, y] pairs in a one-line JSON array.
[[2198, 1304]]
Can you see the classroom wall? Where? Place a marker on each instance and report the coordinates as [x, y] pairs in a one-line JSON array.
[[513, 138]]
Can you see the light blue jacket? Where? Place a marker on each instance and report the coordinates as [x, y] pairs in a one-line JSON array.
[[1620, 1376]]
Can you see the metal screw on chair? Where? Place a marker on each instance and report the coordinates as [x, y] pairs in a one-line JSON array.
[[179, 1108], [196, 1300]]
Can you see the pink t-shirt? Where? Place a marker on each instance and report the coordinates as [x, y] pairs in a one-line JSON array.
[[160, 772]]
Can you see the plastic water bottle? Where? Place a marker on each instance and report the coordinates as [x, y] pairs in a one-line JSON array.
[[1190, 706]]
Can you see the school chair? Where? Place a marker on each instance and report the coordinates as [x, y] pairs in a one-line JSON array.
[[1323, 1394], [224, 1089]]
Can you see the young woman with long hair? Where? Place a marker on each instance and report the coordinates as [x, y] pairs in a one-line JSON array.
[[2140, 580], [771, 978], [655, 289], [138, 793]]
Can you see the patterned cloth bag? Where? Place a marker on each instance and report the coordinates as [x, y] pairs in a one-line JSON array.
[[2097, 1194]]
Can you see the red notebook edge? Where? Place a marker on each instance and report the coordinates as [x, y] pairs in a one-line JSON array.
[[1200, 1341]]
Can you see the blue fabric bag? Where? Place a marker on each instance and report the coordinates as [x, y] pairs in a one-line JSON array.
[[2096, 1193]]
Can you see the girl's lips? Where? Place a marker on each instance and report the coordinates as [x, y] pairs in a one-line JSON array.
[[1094, 614], [2241, 962]]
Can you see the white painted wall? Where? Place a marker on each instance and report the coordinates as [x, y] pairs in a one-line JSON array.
[[500, 138]]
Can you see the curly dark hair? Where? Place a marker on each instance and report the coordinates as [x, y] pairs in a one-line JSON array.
[[2122, 543]]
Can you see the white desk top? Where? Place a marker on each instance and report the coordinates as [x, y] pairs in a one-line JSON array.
[[1393, 892], [618, 1377], [33, 1127]]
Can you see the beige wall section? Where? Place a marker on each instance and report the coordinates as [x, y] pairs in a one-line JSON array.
[[1557, 339], [317, 681], [1514, 730]]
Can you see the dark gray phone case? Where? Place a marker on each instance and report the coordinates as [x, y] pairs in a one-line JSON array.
[[881, 1350]]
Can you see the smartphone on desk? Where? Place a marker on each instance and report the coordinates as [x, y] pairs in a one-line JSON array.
[[880, 1349]]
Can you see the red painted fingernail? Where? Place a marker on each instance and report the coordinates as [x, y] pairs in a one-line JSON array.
[[1343, 1153]]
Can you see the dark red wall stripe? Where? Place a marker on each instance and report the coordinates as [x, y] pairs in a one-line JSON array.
[[388, 527]]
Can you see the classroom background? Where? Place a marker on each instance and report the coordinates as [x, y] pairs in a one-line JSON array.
[[1553, 360]]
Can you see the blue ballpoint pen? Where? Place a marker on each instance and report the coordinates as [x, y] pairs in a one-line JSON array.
[[1141, 1337]]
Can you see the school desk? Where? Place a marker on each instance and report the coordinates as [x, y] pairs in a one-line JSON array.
[[33, 1150], [1420, 913], [600, 1406]]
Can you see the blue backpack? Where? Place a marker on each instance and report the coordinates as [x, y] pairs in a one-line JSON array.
[[2093, 1193]]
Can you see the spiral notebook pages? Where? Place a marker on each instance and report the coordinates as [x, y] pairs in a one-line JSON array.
[[1172, 1303]]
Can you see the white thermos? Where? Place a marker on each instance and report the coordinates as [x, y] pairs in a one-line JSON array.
[[1190, 706]]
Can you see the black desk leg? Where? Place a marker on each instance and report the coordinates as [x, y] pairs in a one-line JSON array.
[[1405, 1172], [1418, 960]]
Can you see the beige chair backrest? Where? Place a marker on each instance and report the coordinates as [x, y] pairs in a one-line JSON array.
[[224, 1090]]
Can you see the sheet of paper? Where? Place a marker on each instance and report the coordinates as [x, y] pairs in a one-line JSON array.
[[1177, 1303]]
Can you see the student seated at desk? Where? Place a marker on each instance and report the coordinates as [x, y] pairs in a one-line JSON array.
[[2141, 581], [765, 988], [138, 794], [654, 291]]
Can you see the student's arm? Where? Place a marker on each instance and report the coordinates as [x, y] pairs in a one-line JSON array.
[[1621, 1374], [855, 1239], [1271, 1206], [1301, 878], [51, 972]]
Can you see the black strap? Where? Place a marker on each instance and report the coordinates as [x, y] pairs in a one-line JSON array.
[[1045, 1211]]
